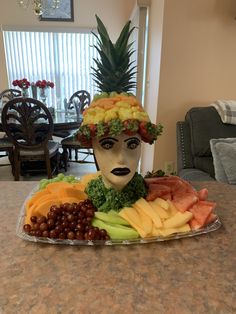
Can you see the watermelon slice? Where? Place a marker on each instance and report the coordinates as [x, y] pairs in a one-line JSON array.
[[201, 211], [157, 190], [185, 201], [203, 194]]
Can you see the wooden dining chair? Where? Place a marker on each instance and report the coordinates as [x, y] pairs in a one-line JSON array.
[[6, 145], [8, 94], [79, 100], [29, 126]]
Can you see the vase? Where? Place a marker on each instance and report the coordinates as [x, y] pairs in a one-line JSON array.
[[34, 92], [43, 95], [25, 92]]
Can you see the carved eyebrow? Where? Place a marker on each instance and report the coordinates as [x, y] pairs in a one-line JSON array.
[[108, 138], [132, 138]]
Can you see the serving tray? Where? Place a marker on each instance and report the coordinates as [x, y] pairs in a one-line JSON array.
[[20, 233]]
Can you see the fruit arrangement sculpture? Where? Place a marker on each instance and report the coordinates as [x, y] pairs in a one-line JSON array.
[[117, 202]]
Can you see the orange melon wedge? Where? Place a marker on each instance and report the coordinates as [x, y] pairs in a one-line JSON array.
[[69, 199], [43, 208], [29, 214], [72, 192], [46, 197], [36, 196], [55, 186], [79, 186]]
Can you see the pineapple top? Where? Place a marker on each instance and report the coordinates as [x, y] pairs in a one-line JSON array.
[[115, 109], [115, 71]]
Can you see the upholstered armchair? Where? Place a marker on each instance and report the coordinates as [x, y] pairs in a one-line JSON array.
[[194, 155]]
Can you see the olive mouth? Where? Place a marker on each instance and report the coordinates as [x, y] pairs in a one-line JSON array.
[[120, 171]]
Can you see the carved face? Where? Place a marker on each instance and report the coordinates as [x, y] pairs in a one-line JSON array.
[[117, 158]]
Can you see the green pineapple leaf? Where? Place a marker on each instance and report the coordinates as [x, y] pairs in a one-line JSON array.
[[114, 71]]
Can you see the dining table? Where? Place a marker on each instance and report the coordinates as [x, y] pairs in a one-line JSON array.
[[62, 120], [182, 276]]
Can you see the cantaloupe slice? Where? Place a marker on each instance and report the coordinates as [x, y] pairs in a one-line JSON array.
[[55, 186], [36, 196], [29, 213], [88, 177], [79, 186], [43, 208], [43, 198], [69, 199], [72, 192]]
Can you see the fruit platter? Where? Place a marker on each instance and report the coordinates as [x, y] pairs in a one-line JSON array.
[[58, 211], [116, 205]]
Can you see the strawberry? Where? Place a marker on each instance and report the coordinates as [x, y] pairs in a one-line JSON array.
[[143, 131], [93, 129], [83, 140], [131, 126], [149, 131]]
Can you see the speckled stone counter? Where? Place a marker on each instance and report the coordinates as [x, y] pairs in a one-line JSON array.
[[191, 275]]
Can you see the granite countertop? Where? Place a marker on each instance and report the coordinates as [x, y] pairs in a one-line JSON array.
[[191, 275]]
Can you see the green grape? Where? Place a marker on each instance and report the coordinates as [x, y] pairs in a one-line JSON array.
[[56, 179], [60, 175], [65, 179], [43, 185], [74, 181]]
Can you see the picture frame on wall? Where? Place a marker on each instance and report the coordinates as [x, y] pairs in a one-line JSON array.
[[65, 12]]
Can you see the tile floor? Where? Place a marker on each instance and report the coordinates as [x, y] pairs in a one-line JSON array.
[[76, 169]]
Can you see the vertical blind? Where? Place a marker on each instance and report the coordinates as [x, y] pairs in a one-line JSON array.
[[63, 58]]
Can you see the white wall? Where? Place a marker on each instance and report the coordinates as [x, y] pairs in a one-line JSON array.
[[198, 63]]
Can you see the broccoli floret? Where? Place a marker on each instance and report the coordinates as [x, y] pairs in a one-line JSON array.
[[105, 199]]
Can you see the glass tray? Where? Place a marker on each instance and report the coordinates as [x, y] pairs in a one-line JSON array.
[[20, 233]]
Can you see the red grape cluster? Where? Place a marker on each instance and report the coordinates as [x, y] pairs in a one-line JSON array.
[[69, 221]]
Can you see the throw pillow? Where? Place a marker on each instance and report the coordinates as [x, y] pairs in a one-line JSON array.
[[224, 159]]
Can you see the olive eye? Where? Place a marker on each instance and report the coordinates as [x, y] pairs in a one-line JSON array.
[[107, 144], [133, 143]]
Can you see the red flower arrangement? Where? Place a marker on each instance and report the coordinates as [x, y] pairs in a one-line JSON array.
[[24, 83], [44, 84]]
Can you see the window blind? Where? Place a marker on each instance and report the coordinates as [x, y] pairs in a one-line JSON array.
[[63, 58]]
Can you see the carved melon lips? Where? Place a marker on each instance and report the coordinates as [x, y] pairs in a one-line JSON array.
[[120, 171]]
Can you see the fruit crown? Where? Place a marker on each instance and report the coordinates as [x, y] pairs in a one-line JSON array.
[[113, 114]]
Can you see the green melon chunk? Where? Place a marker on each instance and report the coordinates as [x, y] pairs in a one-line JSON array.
[[111, 218], [116, 232]]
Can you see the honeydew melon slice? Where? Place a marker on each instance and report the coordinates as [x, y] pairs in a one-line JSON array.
[[111, 218], [116, 232]]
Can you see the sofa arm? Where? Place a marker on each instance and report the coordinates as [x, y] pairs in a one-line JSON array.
[[193, 174]]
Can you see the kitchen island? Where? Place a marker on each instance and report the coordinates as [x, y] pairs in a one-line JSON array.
[[191, 275]]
